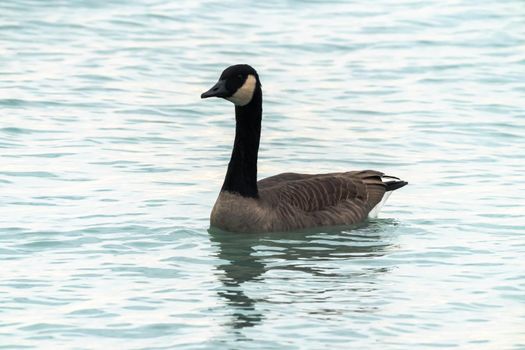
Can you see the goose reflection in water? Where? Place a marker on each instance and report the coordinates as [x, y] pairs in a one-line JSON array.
[[249, 257]]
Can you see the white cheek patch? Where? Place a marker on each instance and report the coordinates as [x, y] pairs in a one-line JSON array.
[[244, 94]]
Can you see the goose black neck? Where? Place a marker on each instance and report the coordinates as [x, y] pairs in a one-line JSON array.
[[241, 177]]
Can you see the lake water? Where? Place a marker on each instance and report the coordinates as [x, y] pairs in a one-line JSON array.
[[110, 164]]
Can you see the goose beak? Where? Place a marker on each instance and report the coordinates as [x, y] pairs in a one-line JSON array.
[[218, 90]]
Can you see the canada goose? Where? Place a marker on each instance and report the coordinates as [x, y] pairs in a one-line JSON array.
[[287, 201]]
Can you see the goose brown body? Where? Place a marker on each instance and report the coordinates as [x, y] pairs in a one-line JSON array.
[[287, 201]]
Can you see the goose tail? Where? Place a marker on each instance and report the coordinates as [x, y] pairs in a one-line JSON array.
[[394, 185], [391, 185]]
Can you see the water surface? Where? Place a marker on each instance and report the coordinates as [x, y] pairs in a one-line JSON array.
[[110, 165]]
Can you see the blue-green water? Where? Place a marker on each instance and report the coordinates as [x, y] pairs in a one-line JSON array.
[[110, 164]]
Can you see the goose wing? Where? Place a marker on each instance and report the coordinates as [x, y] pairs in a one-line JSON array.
[[327, 199]]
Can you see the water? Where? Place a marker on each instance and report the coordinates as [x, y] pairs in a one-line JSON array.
[[110, 165]]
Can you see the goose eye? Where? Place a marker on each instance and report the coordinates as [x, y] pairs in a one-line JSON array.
[[239, 76]]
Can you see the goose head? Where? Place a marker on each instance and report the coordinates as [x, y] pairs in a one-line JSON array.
[[236, 84]]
